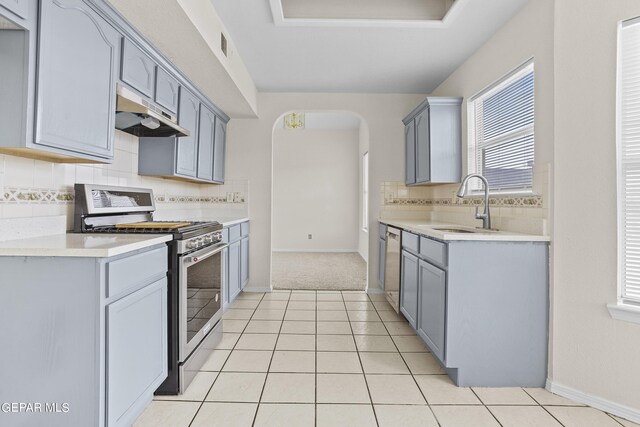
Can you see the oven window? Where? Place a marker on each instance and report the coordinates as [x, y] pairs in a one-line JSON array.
[[203, 293]]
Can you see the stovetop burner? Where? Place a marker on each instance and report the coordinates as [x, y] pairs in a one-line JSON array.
[[153, 227]]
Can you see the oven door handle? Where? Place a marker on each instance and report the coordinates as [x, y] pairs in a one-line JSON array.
[[203, 254]]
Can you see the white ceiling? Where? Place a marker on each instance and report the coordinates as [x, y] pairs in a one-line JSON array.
[[357, 59]]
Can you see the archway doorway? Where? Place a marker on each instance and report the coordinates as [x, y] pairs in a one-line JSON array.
[[320, 201]]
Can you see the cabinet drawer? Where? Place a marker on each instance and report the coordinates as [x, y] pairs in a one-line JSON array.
[[234, 233], [244, 229], [135, 271], [410, 242], [383, 231], [433, 251]]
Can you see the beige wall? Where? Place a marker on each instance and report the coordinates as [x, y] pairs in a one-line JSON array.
[[593, 353], [315, 190], [363, 235], [528, 35], [250, 150]]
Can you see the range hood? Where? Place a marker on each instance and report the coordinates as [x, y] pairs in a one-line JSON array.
[[138, 116]]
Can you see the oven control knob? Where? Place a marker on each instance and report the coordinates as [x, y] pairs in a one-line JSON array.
[[208, 239], [191, 244]]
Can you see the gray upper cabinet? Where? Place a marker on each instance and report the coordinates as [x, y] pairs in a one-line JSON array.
[[138, 69], [19, 7], [167, 91], [206, 141], [423, 147], [432, 142], [187, 150], [410, 152], [219, 151], [78, 68]]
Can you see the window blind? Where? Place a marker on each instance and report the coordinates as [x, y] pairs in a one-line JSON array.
[[502, 142], [628, 140]]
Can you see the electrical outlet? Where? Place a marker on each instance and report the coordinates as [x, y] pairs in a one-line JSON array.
[[309, 236]]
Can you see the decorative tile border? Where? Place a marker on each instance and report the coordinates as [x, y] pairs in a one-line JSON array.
[[36, 196], [507, 201], [52, 196]]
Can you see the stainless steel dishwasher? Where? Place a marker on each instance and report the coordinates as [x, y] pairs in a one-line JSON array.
[[392, 268]]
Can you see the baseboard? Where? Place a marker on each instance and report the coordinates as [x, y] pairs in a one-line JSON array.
[[613, 408], [375, 291], [265, 289], [319, 251]]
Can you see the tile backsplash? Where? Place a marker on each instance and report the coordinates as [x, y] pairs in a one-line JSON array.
[[43, 191], [518, 213]]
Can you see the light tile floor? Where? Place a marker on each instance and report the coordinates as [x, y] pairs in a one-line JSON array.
[[331, 358]]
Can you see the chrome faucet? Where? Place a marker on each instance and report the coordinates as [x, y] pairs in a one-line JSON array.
[[486, 215]]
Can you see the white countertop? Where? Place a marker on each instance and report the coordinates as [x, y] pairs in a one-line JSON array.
[[229, 221], [430, 229], [81, 245]]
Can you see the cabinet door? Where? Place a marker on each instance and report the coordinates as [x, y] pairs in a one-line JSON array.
[[138, 69], [187, 150], [382, 247], [431, 312], [423, 155], [78, 68], [136, 360], [234, 270], [409, 288], [410, 153], [19, 7], [206, 136], [167, 89], [244, 261], [225, 281], [219, 150]]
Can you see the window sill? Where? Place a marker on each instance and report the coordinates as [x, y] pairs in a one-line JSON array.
[[625, 312]]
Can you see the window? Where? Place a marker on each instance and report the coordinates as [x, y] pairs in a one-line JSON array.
[[501, 133], [628, 168], [365, 191]]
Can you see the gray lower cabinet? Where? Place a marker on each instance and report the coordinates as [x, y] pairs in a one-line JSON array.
[[137, 349], [382, 249], [433, 142], [78, 61], [432, 292], [19, 7], [409, 287], [102, 353], [237, 260], [244, 262], [138, 70], [481, 307], [233, 271]]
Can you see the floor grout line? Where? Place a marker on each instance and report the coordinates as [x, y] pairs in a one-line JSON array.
[[366, 382], [226, 359]]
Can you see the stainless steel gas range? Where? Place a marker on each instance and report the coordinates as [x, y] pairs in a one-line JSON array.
[[196, 272]]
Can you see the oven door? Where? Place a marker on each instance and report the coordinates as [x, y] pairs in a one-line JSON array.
[[199, 287]]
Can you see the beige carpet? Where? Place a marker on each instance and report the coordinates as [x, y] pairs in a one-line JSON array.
[[318, 270]]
